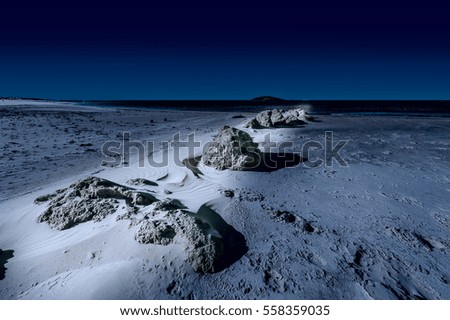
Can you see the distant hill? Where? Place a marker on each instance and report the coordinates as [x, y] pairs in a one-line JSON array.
[[267, 99]]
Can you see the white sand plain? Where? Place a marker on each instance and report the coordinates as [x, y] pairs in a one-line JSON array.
[[375, 229]]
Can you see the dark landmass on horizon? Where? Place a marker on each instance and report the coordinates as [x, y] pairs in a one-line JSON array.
[[388, 107]]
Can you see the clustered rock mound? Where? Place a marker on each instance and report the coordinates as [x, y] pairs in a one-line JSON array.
[[232, 149], [203, 244], [279, 118], [159, 222], [89, 199]]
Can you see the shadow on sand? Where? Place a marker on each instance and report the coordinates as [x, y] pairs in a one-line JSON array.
[[4, 257], [234, 243], [275, 161], [269, 162]]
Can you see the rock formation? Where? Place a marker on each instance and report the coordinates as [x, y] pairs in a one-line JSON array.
[[170, 223], [278, 118], [232, 149], [89, 199], [160, 222]]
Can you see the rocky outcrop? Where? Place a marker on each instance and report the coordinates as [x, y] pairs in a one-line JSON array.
[[155, 232], [278, 118], [264, 118], [203, 244], [89, 199], [158, 222], [232, 149]]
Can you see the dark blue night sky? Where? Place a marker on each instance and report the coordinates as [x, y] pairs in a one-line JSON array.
[[194, 50]]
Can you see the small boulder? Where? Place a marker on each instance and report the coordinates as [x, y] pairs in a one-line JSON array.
[[232, 149]]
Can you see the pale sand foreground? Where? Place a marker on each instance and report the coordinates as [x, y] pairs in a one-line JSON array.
[[376, 229]]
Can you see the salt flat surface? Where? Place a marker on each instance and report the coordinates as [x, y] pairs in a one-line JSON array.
[[375, 229]]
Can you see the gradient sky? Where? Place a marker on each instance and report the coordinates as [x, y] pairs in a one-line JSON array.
[[226, 50]]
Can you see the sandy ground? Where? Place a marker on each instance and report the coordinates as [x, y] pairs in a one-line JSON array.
[[375, 229]]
